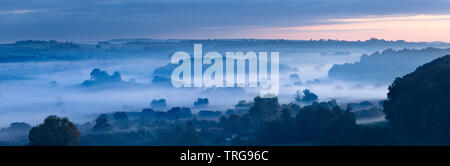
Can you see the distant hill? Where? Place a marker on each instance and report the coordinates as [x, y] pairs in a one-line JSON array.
[[34, 50], [385, 66]]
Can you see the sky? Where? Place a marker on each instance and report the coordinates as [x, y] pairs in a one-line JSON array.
[[96, 20]]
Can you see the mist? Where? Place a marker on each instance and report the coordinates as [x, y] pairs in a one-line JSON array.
[[53, 88]]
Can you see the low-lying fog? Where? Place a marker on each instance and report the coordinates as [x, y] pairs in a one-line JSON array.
[[40, 89]]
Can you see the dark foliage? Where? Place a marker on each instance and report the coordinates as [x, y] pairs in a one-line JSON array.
[[120, 116], [322, 123], [265, 109], [235, 124], [121, 120], [129, 138], [102, 124], [418, 103], [158, 104], [209, 114], [178, 113], [54, 131], [306, 97], [100, 76], [201, 102], [15, 134]]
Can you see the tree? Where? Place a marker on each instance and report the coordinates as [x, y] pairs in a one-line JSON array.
[[325, 123], [121, 120], [15, 134], [116, 76], [178, 113], [265, 109], [418, 103], [120, 116], [201, 102], [189, 136], [158, 104], [232, 124], [283, 128], [102, 125], [95, 73], [55, 131], [100, 75], [306, 97]]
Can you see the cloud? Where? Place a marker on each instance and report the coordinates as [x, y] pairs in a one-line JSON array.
[[393, 18], [105, 19], [23, 11], [412, 28]]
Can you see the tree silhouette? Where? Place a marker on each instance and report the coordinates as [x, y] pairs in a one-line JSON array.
[[418, 103], [265, 109], [307, 96], [102, 124], [54, 131]]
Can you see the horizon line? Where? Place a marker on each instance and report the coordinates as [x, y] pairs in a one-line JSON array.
[[194, 39]]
